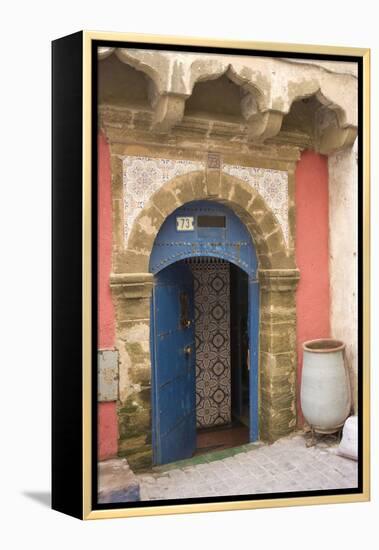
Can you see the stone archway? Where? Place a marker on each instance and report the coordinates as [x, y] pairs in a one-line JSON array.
[[131, 289]]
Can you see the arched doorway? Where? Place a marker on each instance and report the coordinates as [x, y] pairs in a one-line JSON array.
[[132, 283], [202, 365]]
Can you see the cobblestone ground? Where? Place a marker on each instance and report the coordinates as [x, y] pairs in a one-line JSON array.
[[286, 465]]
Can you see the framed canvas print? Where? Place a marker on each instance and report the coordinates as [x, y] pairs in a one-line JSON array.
[[210, 275]]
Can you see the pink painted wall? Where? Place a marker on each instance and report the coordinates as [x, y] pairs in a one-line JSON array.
[[107, 431], [312, 253], [107, 414]]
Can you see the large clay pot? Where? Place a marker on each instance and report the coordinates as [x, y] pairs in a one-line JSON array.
[[325, 387]]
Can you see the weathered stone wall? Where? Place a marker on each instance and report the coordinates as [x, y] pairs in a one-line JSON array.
[[277, 361], [343, 212], [132, 298]]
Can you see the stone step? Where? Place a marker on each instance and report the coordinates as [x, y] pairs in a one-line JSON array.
[[117, 482]]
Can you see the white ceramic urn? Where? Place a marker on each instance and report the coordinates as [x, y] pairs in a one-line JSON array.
[[325, 387]]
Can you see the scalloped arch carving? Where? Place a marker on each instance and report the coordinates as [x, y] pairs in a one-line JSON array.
[[269, 88]]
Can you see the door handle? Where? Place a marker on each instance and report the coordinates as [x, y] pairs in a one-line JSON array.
[[187, 350]]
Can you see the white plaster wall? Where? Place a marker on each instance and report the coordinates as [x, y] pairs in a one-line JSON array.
[[343, 187]]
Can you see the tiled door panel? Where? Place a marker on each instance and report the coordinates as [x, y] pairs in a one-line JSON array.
[[212, 332]]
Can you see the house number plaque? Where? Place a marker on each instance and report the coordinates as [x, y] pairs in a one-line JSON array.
[[185, 223]]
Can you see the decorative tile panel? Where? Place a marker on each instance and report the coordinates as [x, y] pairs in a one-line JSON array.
[[272, 185], [142, 176], [212, 333]]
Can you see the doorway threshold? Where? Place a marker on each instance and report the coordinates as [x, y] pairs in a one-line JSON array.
[[217, 438], [208, 457]]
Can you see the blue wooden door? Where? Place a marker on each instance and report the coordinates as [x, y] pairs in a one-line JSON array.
[[173, 346], [213, 230]]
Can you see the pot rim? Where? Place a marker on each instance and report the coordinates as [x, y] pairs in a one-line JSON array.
[[326, 345]]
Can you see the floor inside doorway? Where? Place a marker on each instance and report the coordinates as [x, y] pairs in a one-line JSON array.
[[221, 438]]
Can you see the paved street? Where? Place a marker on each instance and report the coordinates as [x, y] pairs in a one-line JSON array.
[[287, 465]]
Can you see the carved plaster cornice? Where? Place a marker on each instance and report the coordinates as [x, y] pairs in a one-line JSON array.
[[264, 125], [269, 86], [168, 112]]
